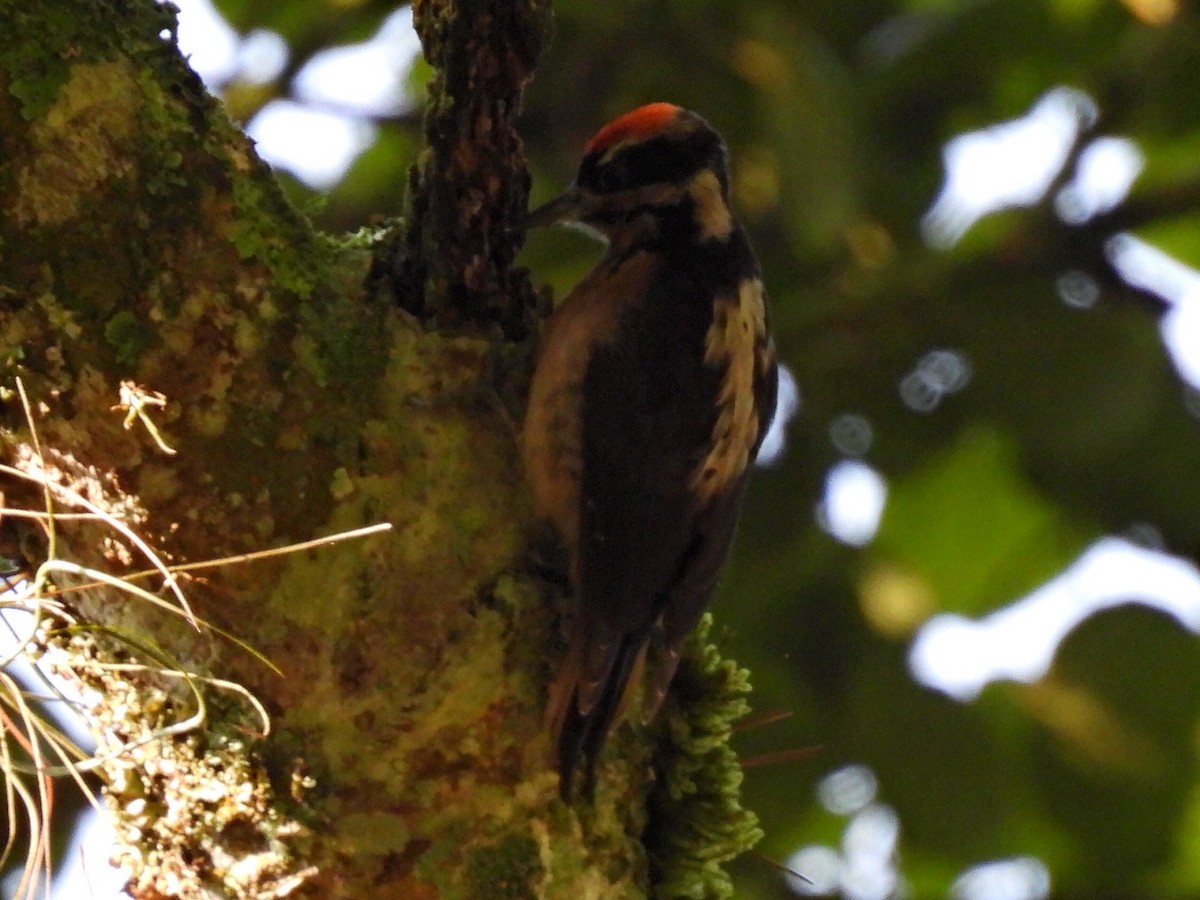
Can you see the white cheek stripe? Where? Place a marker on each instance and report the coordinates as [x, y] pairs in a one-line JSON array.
[[712, 212]]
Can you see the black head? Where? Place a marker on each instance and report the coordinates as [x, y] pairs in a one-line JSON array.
[[657, 161]]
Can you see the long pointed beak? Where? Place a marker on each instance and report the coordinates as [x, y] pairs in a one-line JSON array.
[[566, 208]]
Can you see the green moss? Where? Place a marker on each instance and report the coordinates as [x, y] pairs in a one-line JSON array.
[[127, 336], [36, 67], [168, 133], [45, 41], [697, 821], [443, 857], [256, 234], [377, 833], [349, 339], [508, 870]]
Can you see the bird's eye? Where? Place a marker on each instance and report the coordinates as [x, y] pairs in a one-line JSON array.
[[613, 175]]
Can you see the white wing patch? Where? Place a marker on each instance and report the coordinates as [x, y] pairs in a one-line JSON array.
[[737, 335]]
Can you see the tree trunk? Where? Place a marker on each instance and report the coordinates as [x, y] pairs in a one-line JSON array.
[[312, 385]]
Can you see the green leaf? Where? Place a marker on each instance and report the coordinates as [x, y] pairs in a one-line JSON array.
[[971, 525]]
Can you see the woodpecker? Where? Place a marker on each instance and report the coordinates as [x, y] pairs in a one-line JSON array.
[[654, 386]]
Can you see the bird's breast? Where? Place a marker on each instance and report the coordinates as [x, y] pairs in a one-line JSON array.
[[552, 437]]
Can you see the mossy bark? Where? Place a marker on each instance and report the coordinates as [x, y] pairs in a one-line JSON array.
[[312, 385]]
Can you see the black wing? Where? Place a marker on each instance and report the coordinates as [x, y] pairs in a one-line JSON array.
[[650, 406]]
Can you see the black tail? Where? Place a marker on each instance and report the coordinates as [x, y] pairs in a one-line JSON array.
[[583, 733]]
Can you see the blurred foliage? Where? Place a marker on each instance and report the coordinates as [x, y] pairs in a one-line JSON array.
[[1071, 424]]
